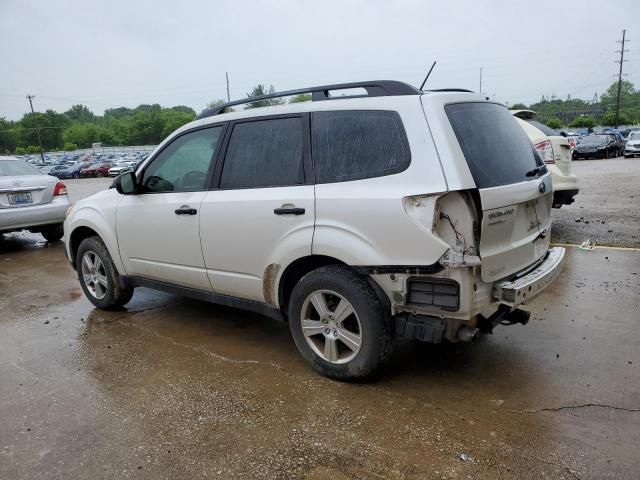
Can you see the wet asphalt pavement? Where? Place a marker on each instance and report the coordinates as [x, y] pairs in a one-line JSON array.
[[175, 388]]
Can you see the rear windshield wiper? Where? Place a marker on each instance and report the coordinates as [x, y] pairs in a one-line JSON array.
[[536, 171]]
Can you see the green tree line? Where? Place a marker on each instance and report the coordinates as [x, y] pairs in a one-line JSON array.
[[79, 127], [577, 113]]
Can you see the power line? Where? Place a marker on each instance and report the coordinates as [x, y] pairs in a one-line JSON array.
[[35, 119], [622, 50]]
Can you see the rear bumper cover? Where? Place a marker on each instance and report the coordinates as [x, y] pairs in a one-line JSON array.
[[34, 215], [525, 288]]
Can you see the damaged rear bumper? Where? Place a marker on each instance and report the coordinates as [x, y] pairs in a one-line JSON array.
[[523, 289]]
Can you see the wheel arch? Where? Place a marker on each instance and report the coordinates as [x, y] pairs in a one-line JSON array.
[[300, 267], [85, 229], [295, 271], [75, 239]]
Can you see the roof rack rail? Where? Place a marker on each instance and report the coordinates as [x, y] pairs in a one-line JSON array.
[[374, 88], [450, 90]]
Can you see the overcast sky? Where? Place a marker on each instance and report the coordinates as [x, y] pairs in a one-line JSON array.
[[123, 53]]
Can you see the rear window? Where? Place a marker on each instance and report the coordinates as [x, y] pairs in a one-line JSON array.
[[353, 145], [550, 132], [496, 148], [10, 168]]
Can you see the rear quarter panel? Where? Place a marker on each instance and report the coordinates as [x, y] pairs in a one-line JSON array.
[[364, 222]]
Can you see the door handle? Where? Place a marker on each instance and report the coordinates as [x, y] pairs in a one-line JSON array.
[[289, 211], [186, 210]]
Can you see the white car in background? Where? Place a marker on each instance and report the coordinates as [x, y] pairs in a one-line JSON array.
[[31, 200], [555, 151], [632, 147], [120, 167]]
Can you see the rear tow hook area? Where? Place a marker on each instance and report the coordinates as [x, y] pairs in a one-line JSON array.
[[505, 315], [431, 329]]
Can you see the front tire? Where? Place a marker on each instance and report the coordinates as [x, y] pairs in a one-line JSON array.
[[339, 324], [53, 233], [99, 277]]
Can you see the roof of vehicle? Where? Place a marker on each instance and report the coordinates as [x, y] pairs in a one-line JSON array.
[[373, 88]]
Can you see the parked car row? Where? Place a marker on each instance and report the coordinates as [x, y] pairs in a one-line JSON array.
[[601, 145], [86, 165]]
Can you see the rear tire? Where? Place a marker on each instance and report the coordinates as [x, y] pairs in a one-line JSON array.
[[354, 336], [53, 233], [98, 275]]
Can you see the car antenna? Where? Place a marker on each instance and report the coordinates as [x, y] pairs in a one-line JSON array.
[[429, 73]]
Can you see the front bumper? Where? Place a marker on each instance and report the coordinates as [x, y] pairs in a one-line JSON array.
[[587, 155], [629, 150], [525, 288], [33, 216]]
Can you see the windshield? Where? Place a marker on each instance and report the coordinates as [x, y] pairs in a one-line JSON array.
[[497, 150], [634, 136], [595, 139], [10, 168]]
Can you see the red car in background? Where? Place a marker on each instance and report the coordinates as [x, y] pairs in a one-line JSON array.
[[96, 170]]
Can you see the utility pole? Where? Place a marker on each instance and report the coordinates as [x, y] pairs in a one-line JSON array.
[[228, 95], [30, 98], [620, 78], [480, 79]]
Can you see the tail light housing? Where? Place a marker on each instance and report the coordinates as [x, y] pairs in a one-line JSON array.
[[545, 151], [59, 189]]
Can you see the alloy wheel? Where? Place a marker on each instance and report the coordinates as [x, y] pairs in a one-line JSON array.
[[94, 275], [331, 326]]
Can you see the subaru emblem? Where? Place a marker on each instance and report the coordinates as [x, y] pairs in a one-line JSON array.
[[542, 187]]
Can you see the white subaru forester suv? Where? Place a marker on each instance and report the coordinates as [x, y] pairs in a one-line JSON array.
[[359, 219]]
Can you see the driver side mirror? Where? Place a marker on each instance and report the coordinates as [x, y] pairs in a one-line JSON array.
[[125, 183]]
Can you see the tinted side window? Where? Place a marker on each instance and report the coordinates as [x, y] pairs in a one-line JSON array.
[[264, 153], [352, 145], [183, 165]]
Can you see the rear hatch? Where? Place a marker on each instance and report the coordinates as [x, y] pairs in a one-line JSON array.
[[513, 183], [22, 185]]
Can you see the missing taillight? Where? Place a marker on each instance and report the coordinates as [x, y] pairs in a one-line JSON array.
[[545, 150], [59, 189]]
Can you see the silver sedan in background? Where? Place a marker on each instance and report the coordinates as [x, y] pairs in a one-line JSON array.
[[31, 200]]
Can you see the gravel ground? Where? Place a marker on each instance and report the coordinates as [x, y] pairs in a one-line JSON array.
[[607, 209]]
